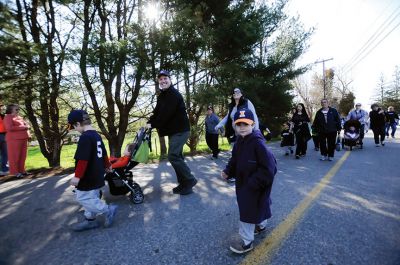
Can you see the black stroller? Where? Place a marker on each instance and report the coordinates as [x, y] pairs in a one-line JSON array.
[[120, 180], [351, 138]]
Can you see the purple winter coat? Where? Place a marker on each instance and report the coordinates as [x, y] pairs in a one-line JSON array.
[[254, 167]]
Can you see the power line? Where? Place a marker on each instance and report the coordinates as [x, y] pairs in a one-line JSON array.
[[370, 50], [379, 31]]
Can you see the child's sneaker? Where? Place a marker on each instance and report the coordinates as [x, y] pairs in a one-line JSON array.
[[258, 229], [85, 225], [112, 210], [240, 248]]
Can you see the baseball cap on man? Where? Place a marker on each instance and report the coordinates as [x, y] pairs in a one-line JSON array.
[[76, 116], [163, 72], [244, 115]]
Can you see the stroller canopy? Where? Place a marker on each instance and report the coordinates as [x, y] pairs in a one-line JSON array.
[[349, 123]]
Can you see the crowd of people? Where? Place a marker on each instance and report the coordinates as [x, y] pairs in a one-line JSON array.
[[252, 165]]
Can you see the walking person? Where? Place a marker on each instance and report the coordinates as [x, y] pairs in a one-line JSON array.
[[170, 118], [361, 116], [377, 124], [301, 129], [327, 125], [254, 166], [17, 140], [91, 163], [211, 134], [392, 120], [238, 101], [3, 145]]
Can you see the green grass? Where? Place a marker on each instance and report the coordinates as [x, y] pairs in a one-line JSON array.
[[36, 160]]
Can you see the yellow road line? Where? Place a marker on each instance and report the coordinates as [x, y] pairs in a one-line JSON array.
[[266, 249]]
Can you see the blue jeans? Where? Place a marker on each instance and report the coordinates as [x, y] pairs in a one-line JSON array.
[[3, 152], [390, 125], [175, 157]]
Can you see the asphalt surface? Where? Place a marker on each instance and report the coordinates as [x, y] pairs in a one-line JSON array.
[[354, 220]]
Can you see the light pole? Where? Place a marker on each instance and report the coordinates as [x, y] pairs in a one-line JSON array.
[[323, 72]]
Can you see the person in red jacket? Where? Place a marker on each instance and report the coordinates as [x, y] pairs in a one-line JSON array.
[[120, 162], [3, 146], [17, 140]]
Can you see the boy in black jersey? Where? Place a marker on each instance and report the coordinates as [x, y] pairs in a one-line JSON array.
[[91, 162]]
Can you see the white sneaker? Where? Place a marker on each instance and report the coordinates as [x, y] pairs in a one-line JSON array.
[[330, 158], [323, 158], [377, 145]]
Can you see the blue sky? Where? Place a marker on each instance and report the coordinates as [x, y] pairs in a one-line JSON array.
[[342, 29]]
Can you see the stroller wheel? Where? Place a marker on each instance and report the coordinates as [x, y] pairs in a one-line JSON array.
[[136, 196]]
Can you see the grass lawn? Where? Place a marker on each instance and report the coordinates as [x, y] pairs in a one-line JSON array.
[[36, 160]]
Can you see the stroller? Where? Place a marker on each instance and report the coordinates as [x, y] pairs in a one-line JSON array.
[[351, 138], [120, 180]]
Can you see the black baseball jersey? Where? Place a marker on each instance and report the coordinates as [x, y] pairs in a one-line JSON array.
[[91, 148]]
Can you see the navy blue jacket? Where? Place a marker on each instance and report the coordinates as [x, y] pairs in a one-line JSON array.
[[169, 115], [332, 124], [254, 167]]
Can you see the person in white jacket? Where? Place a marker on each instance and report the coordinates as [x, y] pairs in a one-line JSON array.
[[238, 101]]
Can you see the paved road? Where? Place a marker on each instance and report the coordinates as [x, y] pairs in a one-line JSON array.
[[324, 213]]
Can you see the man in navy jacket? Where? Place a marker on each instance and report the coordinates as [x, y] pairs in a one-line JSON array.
[[327, 125]]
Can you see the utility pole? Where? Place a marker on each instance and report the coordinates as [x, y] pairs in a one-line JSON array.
[[323, 72]]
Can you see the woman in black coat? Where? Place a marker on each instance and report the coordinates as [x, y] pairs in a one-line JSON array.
[[301, 129]]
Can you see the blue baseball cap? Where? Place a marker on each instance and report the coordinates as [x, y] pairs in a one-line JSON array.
[[244, 115], [163, 72], [76, 116]]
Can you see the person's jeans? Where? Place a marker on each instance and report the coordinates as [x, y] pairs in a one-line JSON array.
[[212, 142], [392, 125], [3, 152], [175, 157], [362, 132], [327, 143]]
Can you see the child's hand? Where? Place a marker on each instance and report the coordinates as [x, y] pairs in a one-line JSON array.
[[224, 175], [75, 181]]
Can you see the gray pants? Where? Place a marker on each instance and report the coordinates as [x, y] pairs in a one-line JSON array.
[[246, 231], [91, 202], [175, 157]]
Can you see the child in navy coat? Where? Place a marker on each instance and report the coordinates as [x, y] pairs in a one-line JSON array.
[[254, 167]]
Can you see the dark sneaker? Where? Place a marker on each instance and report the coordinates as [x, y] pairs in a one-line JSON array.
[[85, 225], [112, 210], [287, 153], [291, 151], [297, 157], [19, 175], [240, 248], [187, 189], [258, 230], [177, 189], [383, 143]]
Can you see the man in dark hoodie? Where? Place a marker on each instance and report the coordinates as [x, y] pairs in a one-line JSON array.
[[254, 166], [170, 118], [327, 125]]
